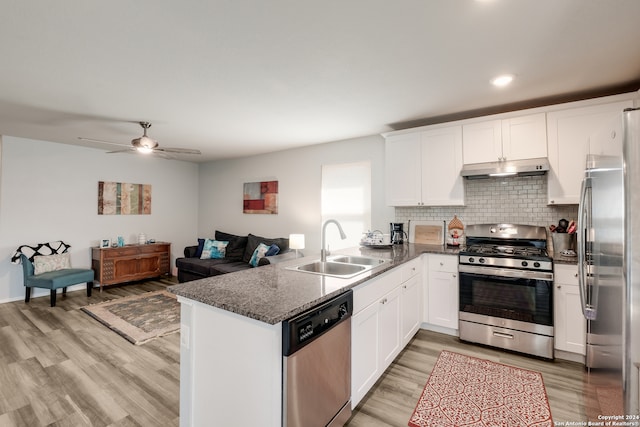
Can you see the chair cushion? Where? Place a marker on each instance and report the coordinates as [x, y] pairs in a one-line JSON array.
[[44, 263], [60, 278]]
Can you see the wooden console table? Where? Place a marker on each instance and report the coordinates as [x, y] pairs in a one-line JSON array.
[[130, 263]]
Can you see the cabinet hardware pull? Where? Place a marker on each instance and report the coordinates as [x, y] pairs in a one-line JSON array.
[[441, 264], [455, 276], [575, 275], [502, 335], [559, 287]]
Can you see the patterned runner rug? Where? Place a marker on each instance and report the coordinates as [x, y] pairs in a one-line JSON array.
[[467, 391], [139, 318]]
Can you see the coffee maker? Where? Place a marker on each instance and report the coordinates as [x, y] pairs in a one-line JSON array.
[[397, 233]]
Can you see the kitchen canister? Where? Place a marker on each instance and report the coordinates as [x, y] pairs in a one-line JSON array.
[[142, 239], [563, 242]]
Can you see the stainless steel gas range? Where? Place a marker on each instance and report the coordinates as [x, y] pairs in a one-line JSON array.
[[506, 288]]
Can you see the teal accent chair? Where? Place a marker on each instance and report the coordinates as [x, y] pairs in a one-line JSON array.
[[54, 280]]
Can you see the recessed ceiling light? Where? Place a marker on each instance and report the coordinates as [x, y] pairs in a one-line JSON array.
[[502, 80]]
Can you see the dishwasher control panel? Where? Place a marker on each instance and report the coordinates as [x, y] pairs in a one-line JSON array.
[[305, 327]]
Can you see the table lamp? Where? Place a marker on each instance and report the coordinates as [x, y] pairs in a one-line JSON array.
[[296, 241]]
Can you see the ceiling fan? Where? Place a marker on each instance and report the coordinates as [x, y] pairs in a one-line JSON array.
[[145, 145]]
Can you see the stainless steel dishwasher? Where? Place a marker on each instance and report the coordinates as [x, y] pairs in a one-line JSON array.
[[317, 365]]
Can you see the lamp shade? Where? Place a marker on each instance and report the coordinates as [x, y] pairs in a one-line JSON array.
[[296, 241]]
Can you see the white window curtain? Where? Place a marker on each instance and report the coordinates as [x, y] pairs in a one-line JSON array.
[[346, 197]]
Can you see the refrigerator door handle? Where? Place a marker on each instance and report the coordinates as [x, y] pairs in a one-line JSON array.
[[584, 227]]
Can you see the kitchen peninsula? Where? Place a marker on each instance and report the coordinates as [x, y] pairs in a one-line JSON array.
[[231, 336]]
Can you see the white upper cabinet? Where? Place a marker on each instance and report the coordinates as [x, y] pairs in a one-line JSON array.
[[507, 139], [482, 142], [574, 133], [423, 168], [403, 169]]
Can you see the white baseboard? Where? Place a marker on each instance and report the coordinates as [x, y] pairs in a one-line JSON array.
[[440, 329]]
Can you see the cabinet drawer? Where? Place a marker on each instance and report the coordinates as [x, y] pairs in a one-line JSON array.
[[152, 248], [410, 269], [374, 289], [567, 274], [119, 252], [443, 263]]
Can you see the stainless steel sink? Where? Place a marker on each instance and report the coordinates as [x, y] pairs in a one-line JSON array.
[[330, 268], [360, 260], [343, 266]]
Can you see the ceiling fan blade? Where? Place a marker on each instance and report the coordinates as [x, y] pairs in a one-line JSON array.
[[102, 141], [124, 150], [178, 150]]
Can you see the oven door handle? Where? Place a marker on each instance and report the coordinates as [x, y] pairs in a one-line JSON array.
[[584, 228], [506, 272]]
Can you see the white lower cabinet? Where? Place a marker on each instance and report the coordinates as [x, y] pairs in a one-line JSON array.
[[387, 313], [411, 303], [570, 324], [441, 296], [365, 362], [389, 328]]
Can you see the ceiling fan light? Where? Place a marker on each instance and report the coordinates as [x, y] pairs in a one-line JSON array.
[[147, 142], [144, 150]]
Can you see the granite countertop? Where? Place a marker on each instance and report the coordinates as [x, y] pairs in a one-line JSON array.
[[272, 293]]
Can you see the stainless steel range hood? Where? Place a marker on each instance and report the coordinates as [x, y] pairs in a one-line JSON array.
[[506, 168]]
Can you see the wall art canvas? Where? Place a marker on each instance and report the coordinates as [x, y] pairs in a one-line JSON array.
[[121, 198], [260, 197]]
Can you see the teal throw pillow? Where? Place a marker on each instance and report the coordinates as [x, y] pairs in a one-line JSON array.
[[260, 252], [213, 249]]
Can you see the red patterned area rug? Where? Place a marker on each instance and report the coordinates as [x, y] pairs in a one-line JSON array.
[[471, 392]]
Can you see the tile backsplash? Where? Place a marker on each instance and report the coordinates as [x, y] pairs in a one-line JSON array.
[[515, 200]]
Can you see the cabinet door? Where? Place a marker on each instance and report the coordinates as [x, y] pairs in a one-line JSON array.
[[524, 137], [389, 327], [443, 299], [568, 135], [482, 142], [403, 170], [570, 330], [365, 363], [607, 141], [441, 152], [411, 304]]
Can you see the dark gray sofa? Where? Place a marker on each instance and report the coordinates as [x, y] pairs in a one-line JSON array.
[[237, 256]]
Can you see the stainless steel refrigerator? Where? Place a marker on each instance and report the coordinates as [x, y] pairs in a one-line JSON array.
[[609, 260]]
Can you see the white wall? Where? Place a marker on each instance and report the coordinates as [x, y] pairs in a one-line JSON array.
[[298, 172], [49, 192]]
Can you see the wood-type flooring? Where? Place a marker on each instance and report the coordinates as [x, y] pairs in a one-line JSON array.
[[60, 367]]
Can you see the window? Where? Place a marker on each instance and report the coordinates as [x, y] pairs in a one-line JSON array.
[[346, 197]]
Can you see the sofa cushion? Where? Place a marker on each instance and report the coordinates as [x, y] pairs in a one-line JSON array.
[[235, 248], [213, 249], [230, 267], [198, 266], [254, 241]]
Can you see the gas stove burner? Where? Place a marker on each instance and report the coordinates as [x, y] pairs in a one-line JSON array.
[[506, 250]]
